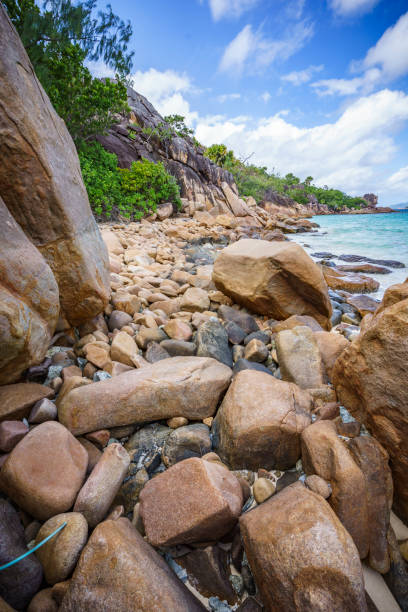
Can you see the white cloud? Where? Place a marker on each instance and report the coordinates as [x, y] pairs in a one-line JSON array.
[[390, 54], [345, 8], [254, 49], [226, 97], [399, 180], [299, 77], [100, 70], [165, 91], [230, 8], [348, 153], [266, 96], [386, 61]]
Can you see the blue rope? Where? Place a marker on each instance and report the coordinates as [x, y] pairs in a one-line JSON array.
[[10, 563]]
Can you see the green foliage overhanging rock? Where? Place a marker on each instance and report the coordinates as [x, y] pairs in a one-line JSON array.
[[121, 192]]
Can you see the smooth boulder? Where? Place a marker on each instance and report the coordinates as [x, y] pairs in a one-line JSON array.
[[29, 299], [45, 471], [273, 278], [179, 386], [193, 501], [324, 454], [119, 571], [260, 421], [370, 380], [42, 186], [301, 556], [299, 357]]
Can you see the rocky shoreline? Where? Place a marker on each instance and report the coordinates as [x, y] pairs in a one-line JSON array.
[[142, 431]]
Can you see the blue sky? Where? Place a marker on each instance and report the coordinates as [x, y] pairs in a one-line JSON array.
[[314, 87]]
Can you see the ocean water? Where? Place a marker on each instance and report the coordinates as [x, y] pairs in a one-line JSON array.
[[379, 236]]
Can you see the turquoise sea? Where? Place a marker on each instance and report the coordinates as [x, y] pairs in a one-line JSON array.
[[378, 236]]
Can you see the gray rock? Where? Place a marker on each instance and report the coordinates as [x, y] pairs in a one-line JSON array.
[[235, 333], [259, 335], [185, 442], [244, 320], [212, 341], [101, 375], [118, 319], [179, 348], [149, 437], [336, 317], [19, 583], [155, 352], [43, 410], [244, 364]]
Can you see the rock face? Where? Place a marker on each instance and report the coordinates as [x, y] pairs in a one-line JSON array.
[[119, 571], [275, 279], [19, 583], [200, 180], [41, 184], [45, 471], [370, 380], [324, 454], [301, 556], [29, 300], [193, 501], [260, 421], [299, 357], [180, 386]]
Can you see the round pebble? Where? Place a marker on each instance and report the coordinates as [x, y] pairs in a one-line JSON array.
[[263, 489]]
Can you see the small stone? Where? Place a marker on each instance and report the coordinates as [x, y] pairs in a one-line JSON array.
[[179, 348], [123, 348], [318, 485], [97, 354], [176, 422], [235, 333], [17, 400], [238, 352], [118, 319], [195, 300], [89, 370], [155, 352], [178, 330], [244, 364], [185, 442], [98, 492], [60, 554], [264, 337], [212, 341], [242, 319], [100, 438], [148, 334], [56, 384], [11, 432], [256, 350], [263, 489]]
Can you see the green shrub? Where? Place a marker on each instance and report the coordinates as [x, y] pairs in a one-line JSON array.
[[101, 178], [146, 185], [115, 192]]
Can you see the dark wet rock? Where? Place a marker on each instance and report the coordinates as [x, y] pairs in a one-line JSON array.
[[244, 320], [259, 335], [212, 341], [235, 333], [323, 255], [208, 572], [286, 479], [244, 364], [19, 583], [185, 442], [179, 348], [381, 262], [199, 255], [148, 437], [397, 577]]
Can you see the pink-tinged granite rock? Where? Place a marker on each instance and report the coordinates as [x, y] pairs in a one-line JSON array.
[[42, 186], [17, 400], [99, 490], [45, 471], [180, 386], [119, 571], [11, 432], [29, 299], [193, 501], [301, 556]]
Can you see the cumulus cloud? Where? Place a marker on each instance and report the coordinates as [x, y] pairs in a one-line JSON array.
[[299, 77], [346, 8], [348, 153], [100, 70], [255, 51], [165, 90], [386, 61], [230, 8]]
